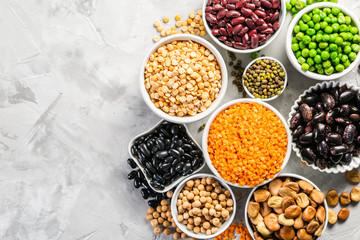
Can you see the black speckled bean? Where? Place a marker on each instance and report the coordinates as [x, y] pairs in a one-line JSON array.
[[323, 148], [310, 99], [306, 138], [327, 101], [295, 120], [319, 117], [349, 134], [354, 117], [346, 160], [298, 132], [338, 150], [306, 112], [346, 96], [334, 139], [308, 154]]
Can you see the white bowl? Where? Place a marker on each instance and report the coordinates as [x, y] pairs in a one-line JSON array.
[[215, 103], [248, 224], [289, 36], [173, 184], [265, 99], [182, 227], [220, 109], [324, 85], [282, 17]]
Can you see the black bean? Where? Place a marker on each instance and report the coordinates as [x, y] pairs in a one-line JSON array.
[[155, 162], [167, 144], [169, 159], [310, 99], [333, 139], [139, 140], [175, 161], [150, 143], [167, 176], [323, 148], [172, 171], [180, 150], [147, 172], [295, 120], [160, 144], [165, 196], [144, 193], [174, 129], [174, 153], [320, 132], [188, 156], [338, 150], [141, 158], [153, 203], [346, 96], [298, 132], [159, 197], [166, 134], [349, 134], [165, 166], [151, 192], [187, 147], [154, 150], [179, 166], [175, 138], [320, 163], [306, 138], [134, 150], [140, 175], [162, 154], [132, 175], [186, 169], [308, 154], [131, 163], [158, 178], [157, 185], [137, 182], [150, 167], [195, 152], [148, 137], [346, 160]]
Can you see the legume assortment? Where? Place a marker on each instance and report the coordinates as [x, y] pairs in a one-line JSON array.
[[182, 78], [325, 41], [247, 144]]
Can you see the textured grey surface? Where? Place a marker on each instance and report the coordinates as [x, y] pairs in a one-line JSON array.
[[70, 103]]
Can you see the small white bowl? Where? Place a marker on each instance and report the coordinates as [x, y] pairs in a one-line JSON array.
[[174, 211], [289, 36], [248, 223], [282, 17], [265, 99], [220, 109], [215, 103], [324, 85], [173, 184]]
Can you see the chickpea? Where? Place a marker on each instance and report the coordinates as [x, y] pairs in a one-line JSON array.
[[229, 202], [176, 235], [178, 230], [178, 202], [197, 221], [196, 192], [160, 220], [190, 183], [196, 230], [183, 235], [197, 198], [180, 218], [217, 214], [203, 199], [173, 224], [169, 194], [223, 204], [168, 213], [201, 187], [166, 223], [227, 193], [181, 209], [209, 188], [164, 202], [206, 225], [163, 214], [203, 181], [208, 205], [167, 231], [150, 210], [213, 195], [209, 199], [184, 199], [202, 230], [191, 213], [218, 207], [156, 214], [207, 194], [208, 232], [196, 183], [149, 217], [186, 205], [197, 204], [212, 212], [190, 196], [218, 190], [158, 209], [190, 226], [154, 222], [181, 195], [157, 230], [164, 208], [215, 202], [222, 197], [185, 221], [186, 215], [191, 221], [209, 180], [214, 230], [185, 192], [196, 211], [205, 211], [224, 213]]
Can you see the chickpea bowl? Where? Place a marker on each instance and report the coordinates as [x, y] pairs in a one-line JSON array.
[[290, 206], [183, 78], [203, 206], [246, 142]]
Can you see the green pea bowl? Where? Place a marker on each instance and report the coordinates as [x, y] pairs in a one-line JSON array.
[[323, 41]]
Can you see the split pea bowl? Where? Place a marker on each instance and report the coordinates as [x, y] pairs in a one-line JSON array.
[[194, 94], [241, 167]]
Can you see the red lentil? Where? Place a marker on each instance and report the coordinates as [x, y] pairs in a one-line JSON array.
[[229, 233], [247, 143]]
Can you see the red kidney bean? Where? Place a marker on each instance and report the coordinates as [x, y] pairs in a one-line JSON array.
[[274, 17], [237, 29], [223, 38], [266, 4], [215, 32], [260, 21], [269, 25], [223, 2], [238, 20], [259, 13], [257, 3], [216, 1], [208, 9], [250, 23], [243, 31], [254, 41], [240, 4], [221, 14], [239, 45], [267, 12], [218, 7], [268, 30], [276, 25], [267, 19], [245, 38], [250, 6], [229, 28], [228, 43], [275, 3], [232, 14], [230, 6], [233, 1], [211, 18], [221, 23], [223, 31], [254, 17], [252, 32], [246, 12], [262, 27], [209, 2], [261, 36], [237, 38]]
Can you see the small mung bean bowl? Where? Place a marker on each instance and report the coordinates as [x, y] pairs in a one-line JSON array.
[[224, 107], [276, 95], [174, 209], [214, 104], [295, 177], [142, 168], [289, 36], [262, 44]]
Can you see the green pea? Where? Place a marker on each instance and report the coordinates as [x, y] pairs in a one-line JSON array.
[[353, 30], [316, 11], [323, 45], [328, 29], [295, 47], [350, 36], [306, 17], [352, 56], [323, 15], [309, 2], [333, 19], [302, 45], [301, 22], [301, 60], [339, 41], [293, 2], [316, 18], [330, 15], [347, 64], [320, 71], [305, 52], [332, 38], [318, 51], [310, 61], [333, 47], [329, 70], [294, 40], [317, 59], [323, 25], [343, 28], [288, 6], [310, 23], [313, 38], [325, 55], [312, 69], [347, 49], [339, 67], [355, 47], [333, 55], [347, 20], [325, 38], [356, 38], [335, 61], [306, 39], [296, 29], [318, 66], [341, 14], [346, 43], [312, 45], [320, 31], [326, 64], [295, 10], [304, 27], [298, 54], [333, 1], [326, 10], [299, 36], [327, 49], [305, 66], [341, 19], [317, 26], [335, 11], [319, 37], [300, 5], [344, 36], [344, 58], [312, 53], [327, 19]]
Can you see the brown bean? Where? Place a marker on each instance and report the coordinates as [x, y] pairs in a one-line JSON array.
[[307, 187], [320, 214], [246, 12], [332, 216], [266, 4], [332, 198], [317, 196], [303, 235], [299, 222], [261, 195], [308, 214], [353, 176], [302, 200], [285, 191], [211, 18], [238, 20], [254, 41], [355, 194], [271, 222], [287, 202], [250, 23], [292, 185], [343, 214], [345, 198], [287, 233], [312, 227], [265, 209], [232, 14], [253, 209], [293, 211]]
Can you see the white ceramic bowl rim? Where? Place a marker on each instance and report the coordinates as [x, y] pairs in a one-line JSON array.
[[182, 227], [289, 36], [223, 107], [215, 103], [282, 17], [292, 175], [249, 65], [323, 85], [173, 184]]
